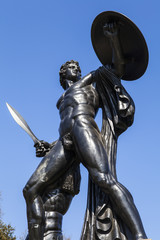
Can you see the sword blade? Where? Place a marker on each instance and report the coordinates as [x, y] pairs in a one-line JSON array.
[[21, 122]]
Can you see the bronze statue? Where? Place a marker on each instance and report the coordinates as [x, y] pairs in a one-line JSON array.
[[111, 213]]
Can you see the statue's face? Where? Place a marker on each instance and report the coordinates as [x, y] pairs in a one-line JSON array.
[[72, 72]]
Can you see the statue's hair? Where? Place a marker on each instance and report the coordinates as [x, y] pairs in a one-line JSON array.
[[62, 72]]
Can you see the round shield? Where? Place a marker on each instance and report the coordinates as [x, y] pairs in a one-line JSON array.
[[132, 42]]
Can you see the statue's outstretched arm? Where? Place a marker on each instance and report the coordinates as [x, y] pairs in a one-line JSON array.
[[111, 32]]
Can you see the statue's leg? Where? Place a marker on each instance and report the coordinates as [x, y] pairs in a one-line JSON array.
[[52, 166], [90, 149]]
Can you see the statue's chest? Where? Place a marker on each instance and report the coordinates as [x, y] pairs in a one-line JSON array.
[[85, 95], [77, 96]]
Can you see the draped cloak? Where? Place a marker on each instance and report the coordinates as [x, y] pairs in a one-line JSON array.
[[101, 221]]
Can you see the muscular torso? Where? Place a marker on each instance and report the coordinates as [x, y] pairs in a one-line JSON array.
[[77, 100]]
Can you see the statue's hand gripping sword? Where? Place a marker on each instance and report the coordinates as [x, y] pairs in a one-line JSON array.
[[22, 123]]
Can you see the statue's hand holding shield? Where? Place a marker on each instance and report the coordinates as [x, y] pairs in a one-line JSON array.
[[111, 27]]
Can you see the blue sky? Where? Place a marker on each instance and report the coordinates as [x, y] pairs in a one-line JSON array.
[[36, 37]]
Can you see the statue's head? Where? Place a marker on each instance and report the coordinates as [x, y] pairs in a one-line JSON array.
[[69, 71]]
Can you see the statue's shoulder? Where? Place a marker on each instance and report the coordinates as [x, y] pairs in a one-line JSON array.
[[60, 100]]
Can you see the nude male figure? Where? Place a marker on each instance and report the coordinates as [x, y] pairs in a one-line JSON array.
[[77, 108]]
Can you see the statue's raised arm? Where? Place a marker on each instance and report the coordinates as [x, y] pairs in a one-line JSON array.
[[118, 42], [118, 62]]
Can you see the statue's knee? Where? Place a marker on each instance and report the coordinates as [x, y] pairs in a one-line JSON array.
[[99, 178], [25, 191], [105, 181], [28, 193]]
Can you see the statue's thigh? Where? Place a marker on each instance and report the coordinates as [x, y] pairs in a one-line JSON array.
[[89, 147], [52, 166]]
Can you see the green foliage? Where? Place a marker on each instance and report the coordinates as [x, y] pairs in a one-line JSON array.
[[6, 232]]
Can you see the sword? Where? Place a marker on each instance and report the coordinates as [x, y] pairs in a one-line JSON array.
[[22, 123]]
